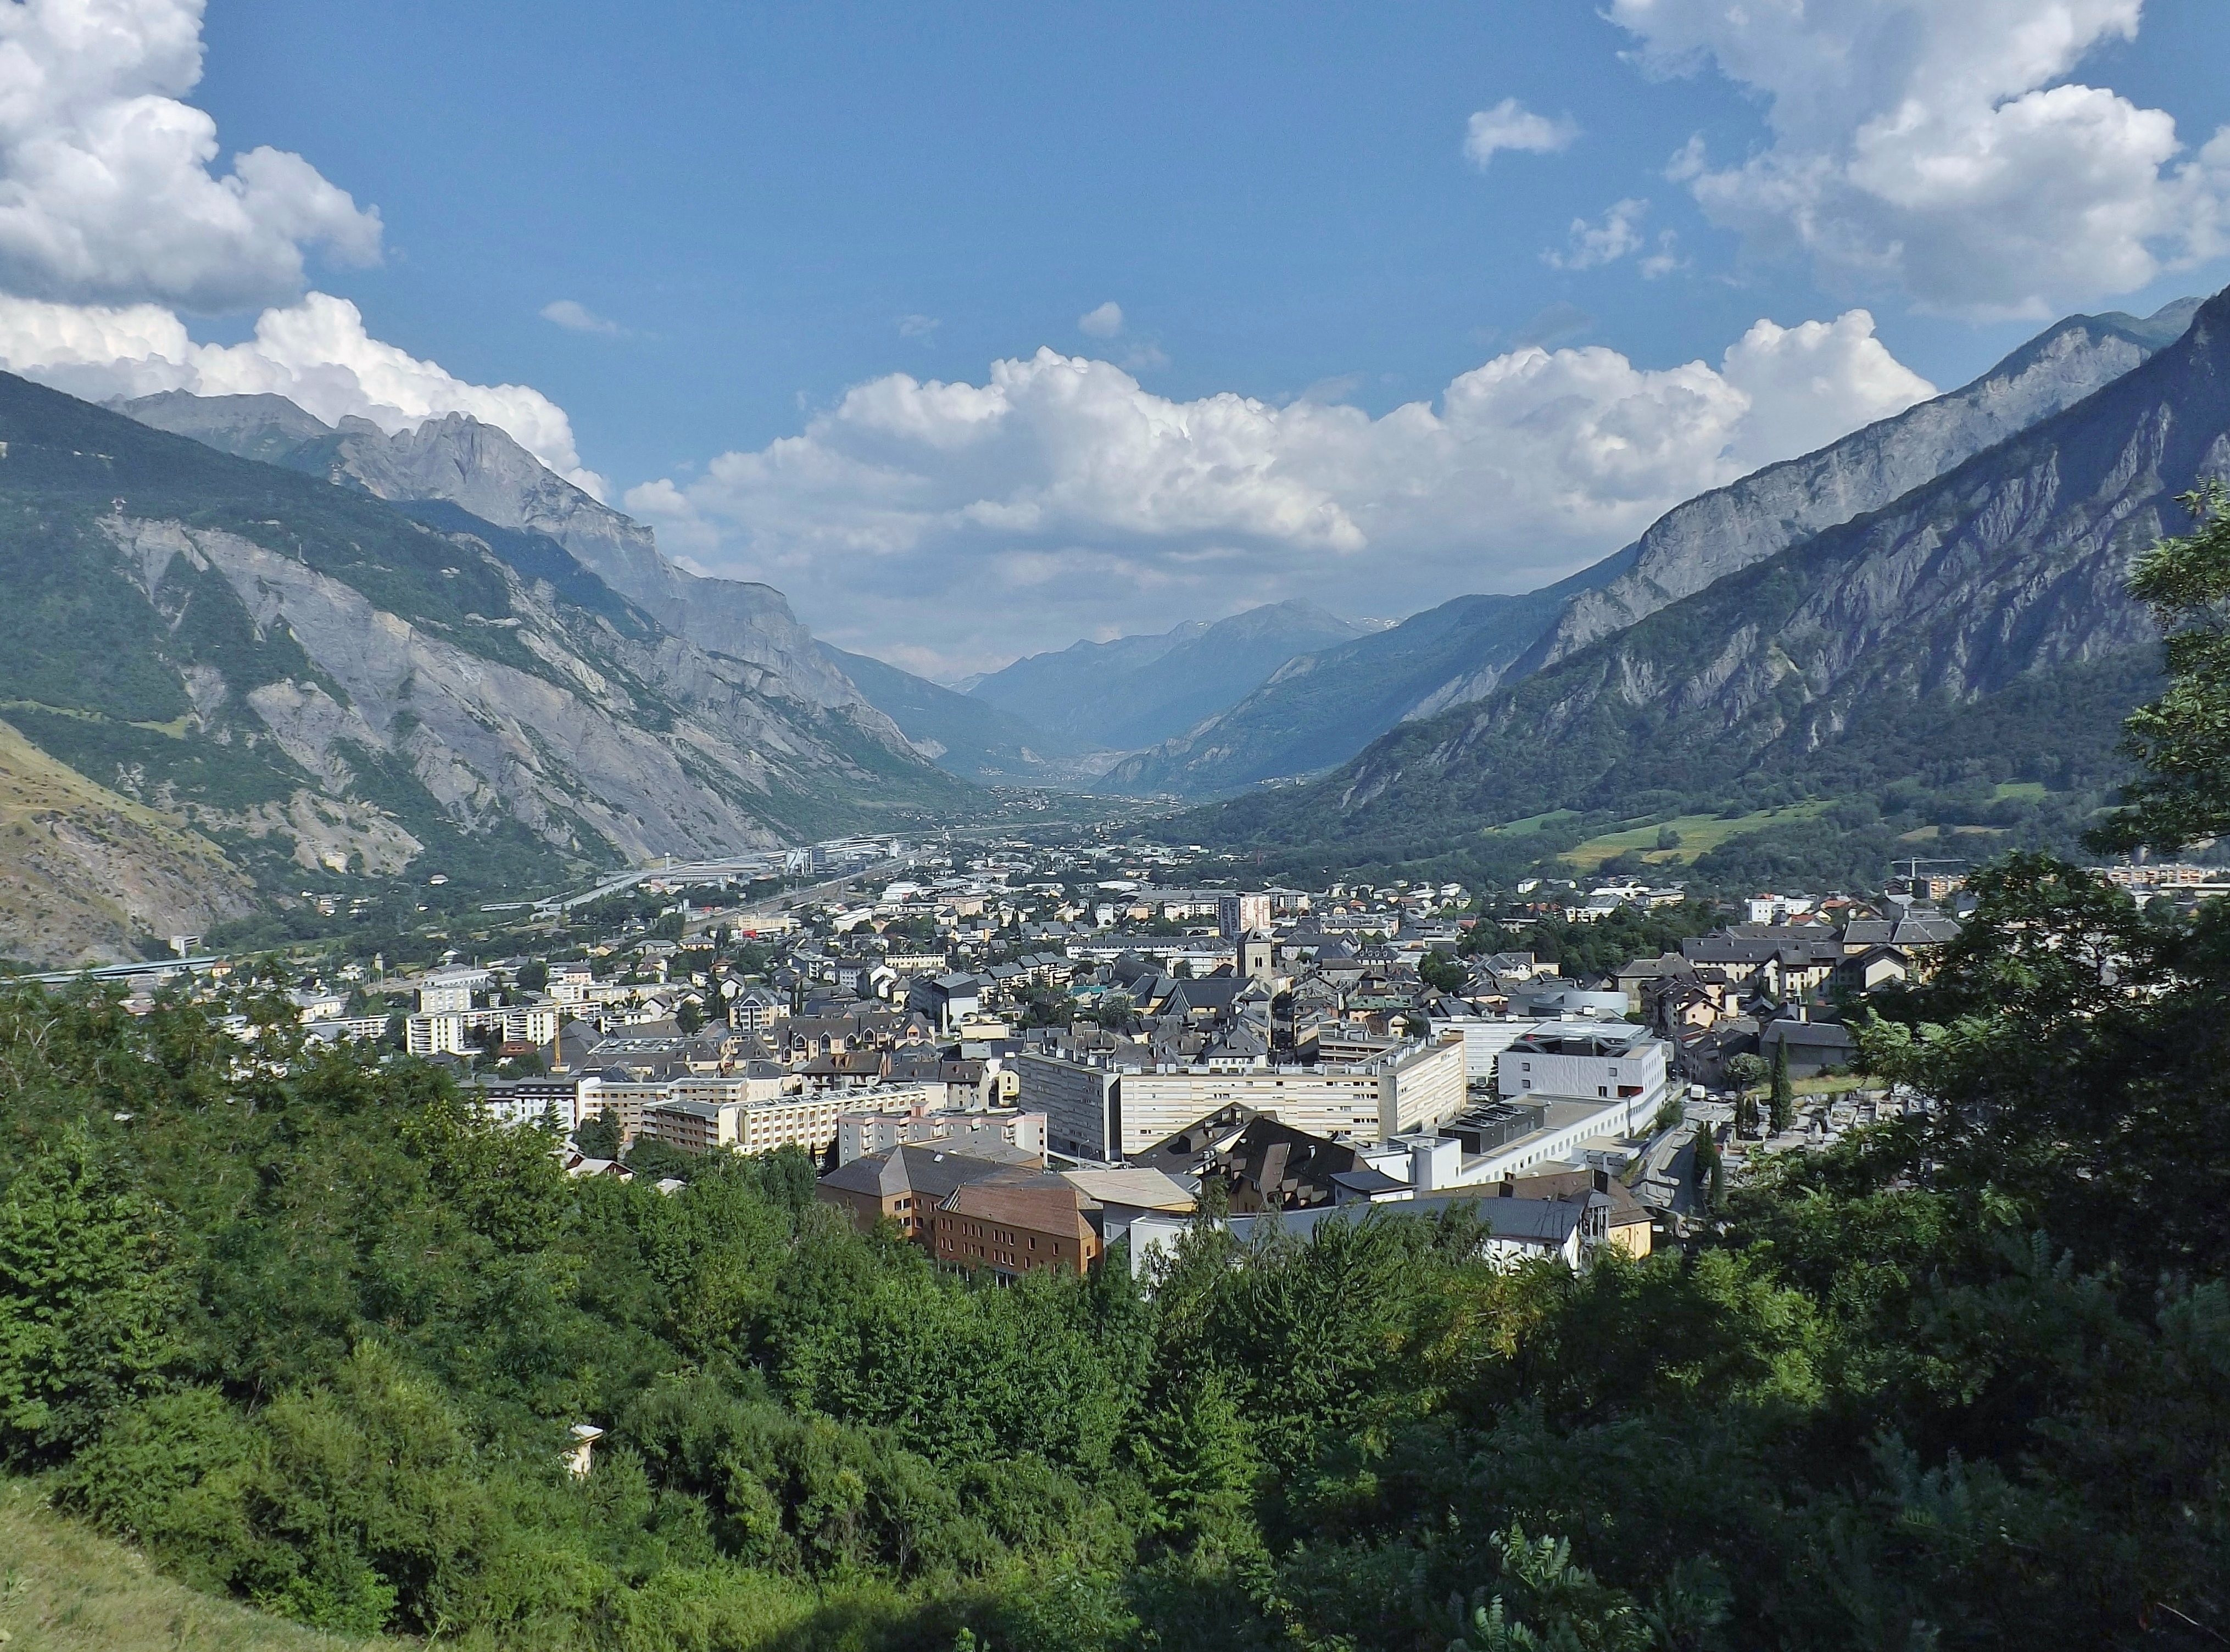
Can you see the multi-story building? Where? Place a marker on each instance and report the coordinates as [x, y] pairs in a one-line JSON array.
[[1587, 1062], [457, 1032], [1238, 915], [859, 1134], [1015, 1222], [906, 1184], [450, 989], [1106, 1113]]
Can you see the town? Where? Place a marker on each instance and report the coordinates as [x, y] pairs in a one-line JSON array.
[[1024, 1056]]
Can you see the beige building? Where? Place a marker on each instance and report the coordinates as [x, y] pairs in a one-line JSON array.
[[1106, 1113]]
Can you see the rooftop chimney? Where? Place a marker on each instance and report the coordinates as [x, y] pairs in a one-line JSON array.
[[1603, 1180], [1510, 1187]]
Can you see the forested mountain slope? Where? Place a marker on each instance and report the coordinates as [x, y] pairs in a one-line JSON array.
[[2002, 576], [320, 684], [1320, 709]]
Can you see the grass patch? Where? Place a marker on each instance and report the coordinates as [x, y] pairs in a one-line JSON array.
[[1699, 834], [66, 1589], [1933, 834], [2029, 790], [1532, 825]]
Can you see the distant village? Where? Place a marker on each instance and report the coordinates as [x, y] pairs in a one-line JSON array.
[[1023, 1058]]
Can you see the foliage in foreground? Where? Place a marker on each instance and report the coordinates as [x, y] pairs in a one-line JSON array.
[[314, 1340]]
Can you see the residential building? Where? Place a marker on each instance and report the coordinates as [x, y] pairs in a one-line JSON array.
[[1017, 1222], [906, 1183], [1106, 1112], [447, 990], [860, 1132], [1240, 915]]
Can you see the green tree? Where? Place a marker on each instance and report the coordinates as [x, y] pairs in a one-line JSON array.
[[2182, 739], [689, 1017], [1746, 1072], [88, 1300], [1782, 1103], [598, 1135], [1200, 1463], [1442, 973]]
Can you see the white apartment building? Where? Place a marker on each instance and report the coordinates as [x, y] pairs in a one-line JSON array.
[[450, 1032], [450, 989], [1106, 1113], [1590, 1062]]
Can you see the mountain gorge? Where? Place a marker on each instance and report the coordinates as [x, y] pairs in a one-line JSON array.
[[1971, 639], [322, 687]]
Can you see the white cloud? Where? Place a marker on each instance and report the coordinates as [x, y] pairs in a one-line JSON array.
[[1510, 124], [1103, 323], [107, 187], [1666, 259], [1928, 146], [917, 326], [316, 353], [1592, 245], [575, 317], [1060, 499]]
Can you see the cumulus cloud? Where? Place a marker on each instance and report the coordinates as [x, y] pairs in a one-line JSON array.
[[1929, 146], [109, 186], [316, 353], [1593, 245], [1510, 124], [1060, 498], [575, 317], [1105, 322]]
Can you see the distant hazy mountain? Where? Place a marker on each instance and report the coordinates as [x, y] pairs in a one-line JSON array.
[[1978, 626], [328, 688], [1135, 690], [1321, 709], [1318, 709], [968, 737]]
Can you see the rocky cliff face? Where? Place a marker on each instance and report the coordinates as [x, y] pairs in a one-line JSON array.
[[83, 870], [482, 470], [325, 684], [1763, 514]]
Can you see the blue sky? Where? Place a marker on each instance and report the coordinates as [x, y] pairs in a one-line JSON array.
[[756, 210]]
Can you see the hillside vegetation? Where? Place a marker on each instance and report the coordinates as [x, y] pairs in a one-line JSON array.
[[66, 1589]]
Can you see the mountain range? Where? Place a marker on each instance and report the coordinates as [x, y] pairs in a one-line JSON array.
[[227, 675], [1946, 670], [1321, 709]]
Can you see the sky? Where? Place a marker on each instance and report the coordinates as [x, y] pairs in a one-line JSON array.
[[978, 329]]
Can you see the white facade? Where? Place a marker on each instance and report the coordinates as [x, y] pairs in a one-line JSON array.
[[1108, 1114], [1629, 1069], [1485, 1037]]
